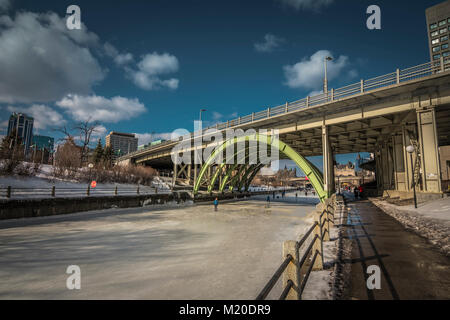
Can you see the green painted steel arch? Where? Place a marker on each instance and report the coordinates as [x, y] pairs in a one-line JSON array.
[[312, 172]]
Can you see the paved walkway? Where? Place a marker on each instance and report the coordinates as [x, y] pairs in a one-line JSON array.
[[410, 267]]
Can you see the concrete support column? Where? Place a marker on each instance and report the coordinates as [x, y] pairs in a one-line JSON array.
[[379, 169], [409, 174], [189, 172], [175, 174], [328, 163], [195, 173], [399, 164], [427, 136], [221, 174], [209, 173], [386, 166]]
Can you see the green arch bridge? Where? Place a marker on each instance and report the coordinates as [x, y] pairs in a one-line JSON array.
[[240, 176]]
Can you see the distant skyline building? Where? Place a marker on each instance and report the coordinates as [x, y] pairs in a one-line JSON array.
[[23, 125], [438, 27], [122, 143], [44, 142]]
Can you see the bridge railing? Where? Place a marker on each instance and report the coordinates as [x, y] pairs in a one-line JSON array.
[[303, 256], [393, 78]]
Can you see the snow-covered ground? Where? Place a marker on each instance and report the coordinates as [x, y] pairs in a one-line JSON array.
[[41, 185], [143, 253], [436, 209]]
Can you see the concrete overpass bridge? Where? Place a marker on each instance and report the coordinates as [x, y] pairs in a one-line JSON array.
[[381, 115]]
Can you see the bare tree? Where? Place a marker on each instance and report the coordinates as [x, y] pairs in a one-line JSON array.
[[67, 135], [67, 159], [85, 130]]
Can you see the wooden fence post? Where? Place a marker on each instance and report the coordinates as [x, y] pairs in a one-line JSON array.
[[8, 192], [138, 189], [289, 247], [326, 226], [318, 264], [53, 191], [88, 191], [115, 191]]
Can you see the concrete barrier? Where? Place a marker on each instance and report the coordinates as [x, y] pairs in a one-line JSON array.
[[17, 209]]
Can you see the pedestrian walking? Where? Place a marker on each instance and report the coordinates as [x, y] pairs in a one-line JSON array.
[[268, 202], [216, 204]]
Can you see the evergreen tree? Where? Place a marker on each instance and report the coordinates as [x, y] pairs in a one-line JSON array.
[[108, 156], [98, 152]]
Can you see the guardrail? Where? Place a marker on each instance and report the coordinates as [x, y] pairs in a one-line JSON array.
[[303, 257], [10, 192], [363, 86]]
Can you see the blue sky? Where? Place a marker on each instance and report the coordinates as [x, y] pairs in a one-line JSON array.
[[149, 66]]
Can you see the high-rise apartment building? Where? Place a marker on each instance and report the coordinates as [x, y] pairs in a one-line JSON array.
[[23, 126], [438, 27], [122, 143]]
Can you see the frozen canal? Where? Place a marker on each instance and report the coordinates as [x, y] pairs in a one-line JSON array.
[[141, 253]]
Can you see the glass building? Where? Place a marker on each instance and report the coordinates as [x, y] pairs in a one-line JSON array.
[[23, 126], [438, 27], [44, 142]]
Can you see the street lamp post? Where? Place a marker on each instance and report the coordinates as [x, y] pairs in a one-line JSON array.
[[410, 150], [201, 110], [325, 81], [90, 166]]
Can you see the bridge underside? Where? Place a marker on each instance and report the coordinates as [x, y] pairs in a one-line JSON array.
[[383, 123]]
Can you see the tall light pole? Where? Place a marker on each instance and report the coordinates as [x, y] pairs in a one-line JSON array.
[[201, 110], [325, 81], [410, 150]]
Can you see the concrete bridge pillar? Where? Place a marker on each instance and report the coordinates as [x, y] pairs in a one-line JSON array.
[[428, 144], [189, 173], [399, 165], [328, 163], [409, 174], [195, 173]]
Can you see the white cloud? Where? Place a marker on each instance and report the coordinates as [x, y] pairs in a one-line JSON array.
[[219, 116], [5, 4], [271, 42], [44, 116], [41, 60], [156, 64], [150, 69], [122, 59], [309, 72], [145, 138], [99, 133], [97, 108], [307, 4]]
